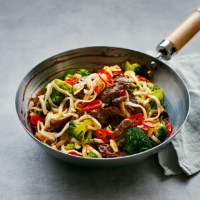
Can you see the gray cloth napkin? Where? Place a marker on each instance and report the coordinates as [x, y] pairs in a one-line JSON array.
[[183, 153]]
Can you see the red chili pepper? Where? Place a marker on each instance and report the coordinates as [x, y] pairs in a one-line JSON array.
[[105, 135], [92, 105], [109, 77], [149, 123], [35, 118], [74, 153], [97, 88], [71, 81], [122, 93], [142, 78], [116, 72], [137, 119], [168, 126]]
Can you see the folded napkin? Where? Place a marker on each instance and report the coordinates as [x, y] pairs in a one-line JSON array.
[[183, 153]]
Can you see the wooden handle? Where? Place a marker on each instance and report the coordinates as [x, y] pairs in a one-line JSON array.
[[184, 32]]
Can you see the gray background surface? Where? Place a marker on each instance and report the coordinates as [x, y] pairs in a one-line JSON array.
[[31, 31]]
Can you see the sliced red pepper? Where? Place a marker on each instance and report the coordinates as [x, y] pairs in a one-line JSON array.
[[34, 119], [105, 135], [149, 123], [109, 77], [97, 88], [142, 78], [91, 105], [74, 153], [168, 126], [137, 119], [122, 93], [71, 81], [116, 72]]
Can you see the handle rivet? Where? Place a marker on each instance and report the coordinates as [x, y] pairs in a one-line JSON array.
[[153, 66]]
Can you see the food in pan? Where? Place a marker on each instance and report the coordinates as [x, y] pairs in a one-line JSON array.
[[105, 114]]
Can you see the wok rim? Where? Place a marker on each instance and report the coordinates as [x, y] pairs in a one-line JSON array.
[[115, 158]]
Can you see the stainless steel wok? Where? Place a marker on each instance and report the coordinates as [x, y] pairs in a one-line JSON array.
[[176, 96]]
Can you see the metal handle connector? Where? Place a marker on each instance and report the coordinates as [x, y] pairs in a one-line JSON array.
[[167, 49]]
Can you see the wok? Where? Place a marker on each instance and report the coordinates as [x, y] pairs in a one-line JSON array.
[[176, 95]]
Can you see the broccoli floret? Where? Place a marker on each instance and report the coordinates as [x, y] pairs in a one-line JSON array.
[[83, 72], [159, 94], [70, 147], [136, 140], [134, 87], [161, 130], [63, 85], [135, 67], [92, 155], [57, 96], [88, 137], [79, 130], [152, 86], [68, 76]]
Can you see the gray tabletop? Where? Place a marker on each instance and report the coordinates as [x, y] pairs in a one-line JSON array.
[[31, 31]]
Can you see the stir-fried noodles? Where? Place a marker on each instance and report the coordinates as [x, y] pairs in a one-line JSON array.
[[105, 114]]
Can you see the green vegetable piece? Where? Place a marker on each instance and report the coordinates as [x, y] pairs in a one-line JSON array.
[[128, 66], [63, 85], [161, 130], [152, 86], [83, 72], [159, 94], [70, 147], [92, 155], [79, 129], [136, 140], [135, 67], [48, 106], [68, 76], [132, 87], [141, 83], [57, 97], [88, 137]]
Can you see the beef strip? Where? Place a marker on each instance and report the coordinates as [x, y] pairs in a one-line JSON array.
[[102, 116], [130, 109], [136, 101], [107, 116], [57, 127], [115, 122], [81, 80], [118, 100], [117, 75], [107, 151], [121, 128], [116, 118], [111, 93]]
